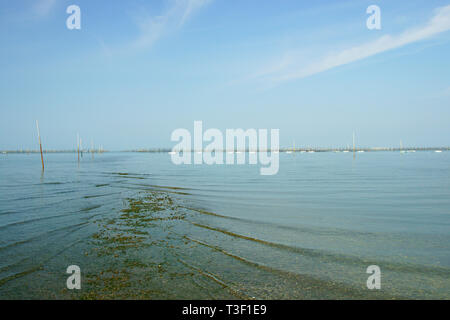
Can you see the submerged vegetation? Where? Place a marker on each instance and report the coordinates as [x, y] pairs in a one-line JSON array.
[[119, 244], [139, 255]]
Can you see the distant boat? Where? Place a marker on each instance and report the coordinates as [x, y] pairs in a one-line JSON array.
[[439, 151], [360, 151], [293, 148], [311, 151], [173, 152], [345, 151], [411, 151]]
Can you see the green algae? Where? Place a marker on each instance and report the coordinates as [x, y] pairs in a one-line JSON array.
[[118, 242]]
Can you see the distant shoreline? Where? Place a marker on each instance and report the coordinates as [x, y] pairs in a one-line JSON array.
[[290, 150]]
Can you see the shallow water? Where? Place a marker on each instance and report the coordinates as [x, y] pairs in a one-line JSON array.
[[141, 227]]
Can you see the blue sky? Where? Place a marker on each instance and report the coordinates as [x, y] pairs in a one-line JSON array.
[[137, 70]]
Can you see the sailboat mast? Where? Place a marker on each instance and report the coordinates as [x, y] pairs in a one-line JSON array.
[[354, 148], [78, 146]]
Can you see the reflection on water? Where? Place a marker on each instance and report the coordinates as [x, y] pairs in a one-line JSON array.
[[140, 227]]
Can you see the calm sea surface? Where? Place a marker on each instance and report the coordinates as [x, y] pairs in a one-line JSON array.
[[139, 226]]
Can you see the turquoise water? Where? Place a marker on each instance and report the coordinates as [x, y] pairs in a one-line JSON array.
[[310, 231]]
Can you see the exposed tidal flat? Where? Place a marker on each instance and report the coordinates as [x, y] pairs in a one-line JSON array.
[[140, 227]]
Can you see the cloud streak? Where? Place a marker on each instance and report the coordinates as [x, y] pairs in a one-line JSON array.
[[43, 7], [153, 28], [438, 24]]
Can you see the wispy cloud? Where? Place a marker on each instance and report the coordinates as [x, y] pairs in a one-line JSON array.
[[153, 28], [191, 7], [43, 7], [290, 71]]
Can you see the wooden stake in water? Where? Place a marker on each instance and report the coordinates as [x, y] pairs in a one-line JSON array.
[[78, 146], [40, 144], [354, 147]]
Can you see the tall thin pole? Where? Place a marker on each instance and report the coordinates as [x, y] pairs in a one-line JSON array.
[[78, 146], [40, 144], [354, 147]]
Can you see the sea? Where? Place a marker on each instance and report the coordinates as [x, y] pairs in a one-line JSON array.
[[140, 227]]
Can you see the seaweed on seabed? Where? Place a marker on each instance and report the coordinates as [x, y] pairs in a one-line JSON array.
[[117, 245]]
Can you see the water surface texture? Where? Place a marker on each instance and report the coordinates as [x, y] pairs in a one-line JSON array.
[[141, 227]]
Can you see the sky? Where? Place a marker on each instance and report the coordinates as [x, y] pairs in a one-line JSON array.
[[137, 70]]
